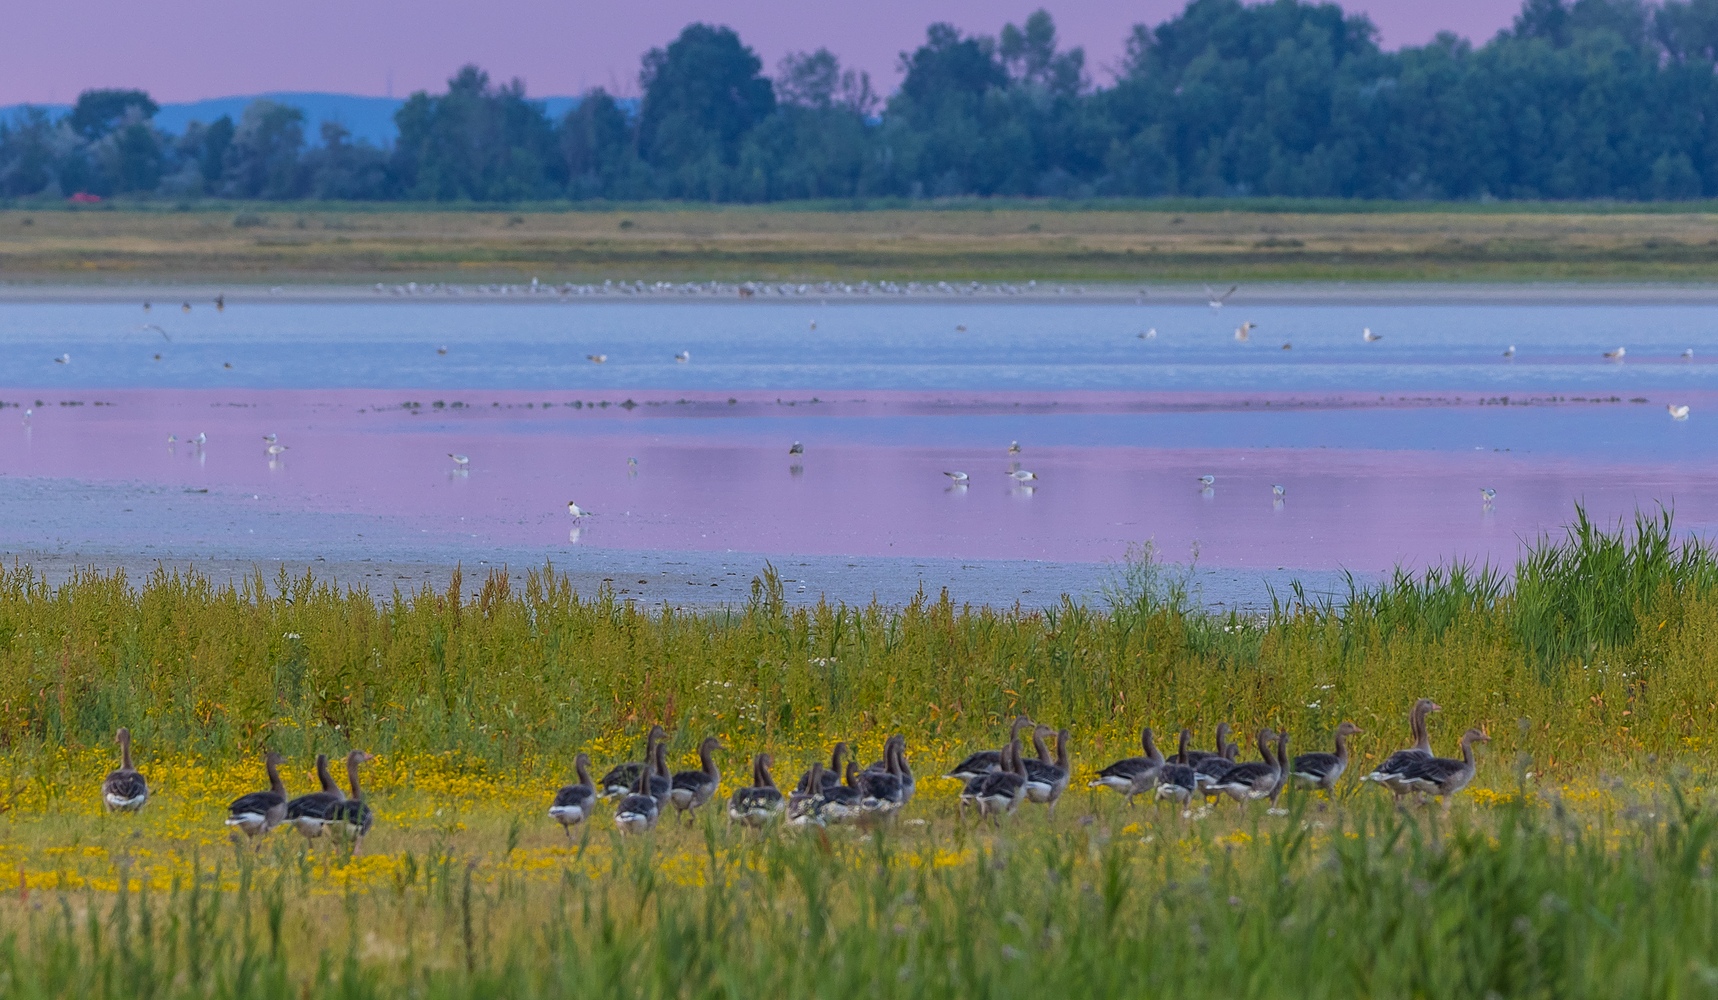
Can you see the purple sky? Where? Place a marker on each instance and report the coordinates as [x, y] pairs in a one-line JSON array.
[[189, 49]]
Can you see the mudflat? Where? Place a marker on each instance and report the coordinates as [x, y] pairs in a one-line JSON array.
[[344, 244]]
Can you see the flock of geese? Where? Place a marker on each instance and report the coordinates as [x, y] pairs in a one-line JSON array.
[[322, 811], [995, 783]]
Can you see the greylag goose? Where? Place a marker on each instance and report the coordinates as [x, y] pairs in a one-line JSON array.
[[620, 778], [1321, 770], [1389, 772], [985, 761], [1177, 782], [1193, 757], [691, 789], [802, 804], [1207, 771], [575, 803], [882, 792], [1442, 776], [1123, 775], [762, 802], [1147, 779], [638, 810], [259, 812], [1283, 764], [309, 814], [1000, 792], [828, 777], [1244, 782], [124, 790], [843, 802], [1046, 780], [353, 815], [904, 771]]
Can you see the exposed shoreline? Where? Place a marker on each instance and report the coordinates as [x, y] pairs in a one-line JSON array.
[[1525, 293]]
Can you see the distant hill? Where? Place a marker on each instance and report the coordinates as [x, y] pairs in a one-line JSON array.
[[370, 119]]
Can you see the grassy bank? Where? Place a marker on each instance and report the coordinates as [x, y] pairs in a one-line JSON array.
[[1579, 863], [1599, 649], [1519, 900], [1007, 242]]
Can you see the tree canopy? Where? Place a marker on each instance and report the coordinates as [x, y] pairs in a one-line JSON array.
[[1577, 99]]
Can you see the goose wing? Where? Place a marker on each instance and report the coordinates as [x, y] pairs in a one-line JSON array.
[[317, 807], [1314, 765], [982, 762], [1397, 762], [574, 797], [620, 778], [1246, 776], [1211, 769], [1432, 771], [256, 803], [356, 814]]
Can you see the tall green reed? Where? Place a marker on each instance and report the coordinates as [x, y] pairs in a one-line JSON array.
[[1597, 639]]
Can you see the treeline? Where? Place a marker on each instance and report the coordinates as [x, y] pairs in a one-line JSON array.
[[1579, 99]]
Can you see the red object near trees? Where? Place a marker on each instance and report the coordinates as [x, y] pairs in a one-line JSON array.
[[85, 198]]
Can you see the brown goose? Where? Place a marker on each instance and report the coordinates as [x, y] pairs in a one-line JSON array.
[[904, 771], [1047, 779], [309, 814], [124, 790], [1244, 782], [802, 804], [1442, 776], [1001, 791], [882, 792], [1148, 779], [1283, 764], [575, 803], [760, 804], [1122, 775], [691, 789], [985, 761], [260, 812], [827, 777], [1321, 770], [1389, 773], [353, 816], [1193, 757], [620, 778], [639, 808]]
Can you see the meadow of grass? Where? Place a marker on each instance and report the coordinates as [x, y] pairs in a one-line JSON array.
[[1578, 864], [1013, 241]]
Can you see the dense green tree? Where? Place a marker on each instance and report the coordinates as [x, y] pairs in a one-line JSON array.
[[702, 94], [477, 142], [262, 161], [1576, 99], [98, 112], [596, 144]]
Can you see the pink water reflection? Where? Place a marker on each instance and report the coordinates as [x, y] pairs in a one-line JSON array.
[[714, 477]]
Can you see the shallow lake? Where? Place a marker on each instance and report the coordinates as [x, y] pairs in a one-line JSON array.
[[1382, 448]]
